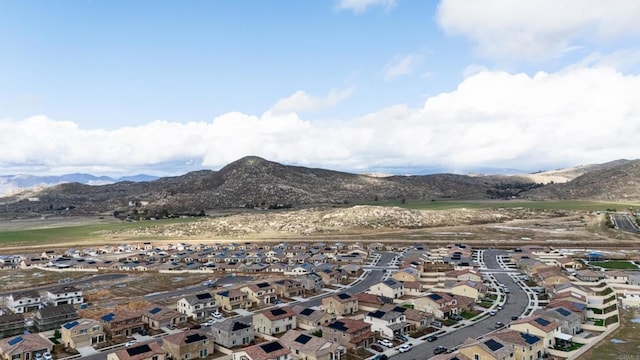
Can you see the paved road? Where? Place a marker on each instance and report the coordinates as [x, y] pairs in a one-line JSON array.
[[87, 281], [196, 289], [624, 222], [516, 303]]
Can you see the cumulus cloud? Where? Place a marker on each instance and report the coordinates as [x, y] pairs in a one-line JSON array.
[[300, 101], [360, 6], [495, 119], [402, 65], [536, 29]]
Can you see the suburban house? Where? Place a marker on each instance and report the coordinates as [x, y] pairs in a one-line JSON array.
[[413, 288], [261, 293], [350, 333], [417, 319], [309, 318], [462, 275], [406, 274], [23, 301], [341, 304], [232, 299], [388, 321], [122, 323], [52, 317], [390, 288], [197, 306], [309, 347], [441, 305], [24, 347], [590, 275], [158, 317], [142, 351], [189, 344], [569, 321], [525, 346], [11, 324], [275, 321], [490, 348], [82, 332], [288, 288], [231, 333], [271, 350], [64, 295], [545, 327], [468, 288]]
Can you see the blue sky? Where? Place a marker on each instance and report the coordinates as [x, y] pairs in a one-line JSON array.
[[164, 87]]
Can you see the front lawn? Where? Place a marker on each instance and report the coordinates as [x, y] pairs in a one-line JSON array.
[[615, 264]]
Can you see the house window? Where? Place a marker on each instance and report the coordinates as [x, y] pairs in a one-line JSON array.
[[476, 357], [155, 357], [204, 353], [187, 355]]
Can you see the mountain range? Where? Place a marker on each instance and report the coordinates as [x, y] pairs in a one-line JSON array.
[[253, 182]]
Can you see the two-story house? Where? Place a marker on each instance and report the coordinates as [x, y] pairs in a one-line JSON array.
[[11, 324], [52, 317], [309, 318], [350, 333], [441, 305], [545, 327], [82, 332], [262, 293], [388, 321], [24, 347], [569, 321], [64, 295], [122, 323], [197, 306], [232, 332], [288, 288], [190, 344], [23, 301], [232, 299], [309, 347], [142, 351], [275, 321], [525, 346], [342, 304], [390, 288], [271, 350], [159, 316]]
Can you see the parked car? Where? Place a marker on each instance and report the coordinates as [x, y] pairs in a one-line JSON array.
[[440, 350], [207, 323], [377, 348], [131, 342], [404, 347], [380, 357], [436, 324], [514, 318], [492, 312], [171, 326], [499, 324], [456, 317], [432, 338], [38, 357], [47, 356], [402, 337], [499, 307], [195, 326], [385, 342], [216, 315]]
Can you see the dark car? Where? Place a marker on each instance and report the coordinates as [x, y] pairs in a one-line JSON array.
[[432, 338], [439, 350], [377, 348], [196, 326], [499, 324], [514, 318], [380, 357]]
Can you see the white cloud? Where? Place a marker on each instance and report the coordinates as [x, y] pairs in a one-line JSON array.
[[360, 6], [493, 119], [402, 65], [300, 101], [536, 29]]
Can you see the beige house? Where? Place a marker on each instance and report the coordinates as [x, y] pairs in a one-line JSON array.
[[308, 318], [468, 288], [486, 349], [271, 350], [525, 346], [158, 317], [143, 351], [350, 333], [122, 323], [197, 306], [406, 274], [309, 347], [463, 274], [232, 299], [342, 304], [190, 344], [261, 293], [542, 326], [441, 305], [24, 347], [82, 332], [389, 288], [275, 321]]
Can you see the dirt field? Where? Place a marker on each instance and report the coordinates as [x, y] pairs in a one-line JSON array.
[[622, 344]]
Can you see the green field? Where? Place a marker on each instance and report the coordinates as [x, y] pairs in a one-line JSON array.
[[75, 233], [615, 264]]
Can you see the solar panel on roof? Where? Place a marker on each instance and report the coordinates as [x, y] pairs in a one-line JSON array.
[[377, 314], [203, 296], [399, 309], [155, 310], [541, 321], [224, 293], [108, 317], [271, 347], [338, 325], [263, 285], [435, 296], [307, 311], [140, 349], [278, 312], [493, 345], [303, 339], [15, 340], [239, 326], [563, 311], [70, 325], [344, 296], [530, 339], [194, 338]]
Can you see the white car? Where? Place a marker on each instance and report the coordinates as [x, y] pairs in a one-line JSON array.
[[216, 315], [385, 342], [39, 357], [207, 323], [492, 312], [131, 342], [404, 348], [47, 356]]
